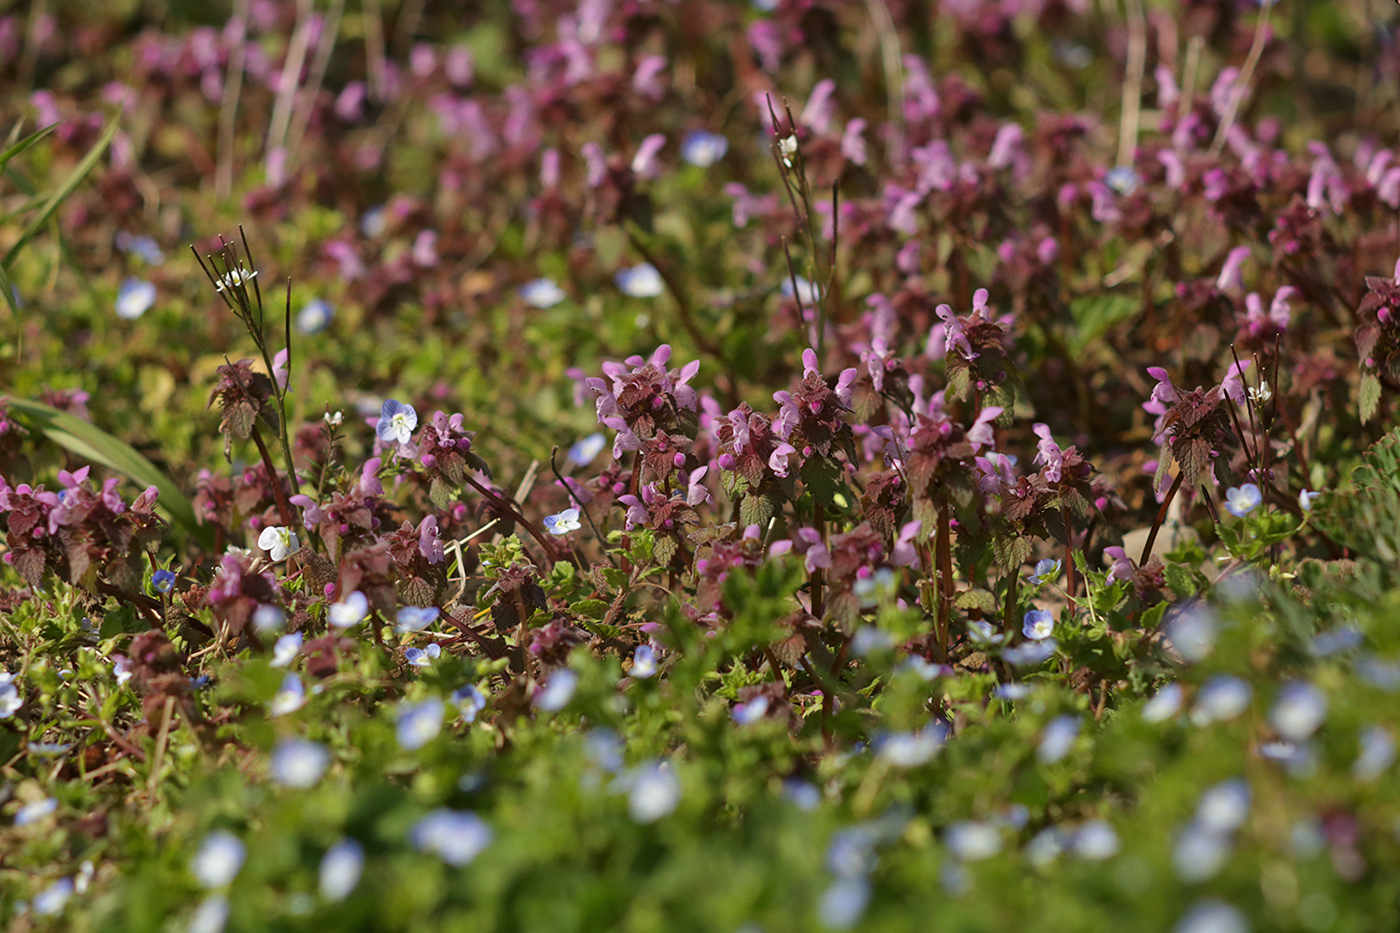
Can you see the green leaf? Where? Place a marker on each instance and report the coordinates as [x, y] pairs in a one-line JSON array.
[[1096, 315], [16, 148], [1369, 396], [92, 443], [61, 194]]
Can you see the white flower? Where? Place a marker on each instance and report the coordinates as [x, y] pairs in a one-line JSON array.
[[134, 299], [334, 418], [219, 859], [542, 293], [973, 841], [643, 662], [1305, 499], [211, 916], [290, 697], [341, 867], [787, 148], [299, 763], [278, 541], [655, 792], [350, 612], [235, 278], [286, 649]]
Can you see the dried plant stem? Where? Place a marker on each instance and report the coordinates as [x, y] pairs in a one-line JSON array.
[[1232, 108], [943, 550], [330, 32], [510, 510], [290, 79], [1132, 86], [1069, 559], [228, 111]]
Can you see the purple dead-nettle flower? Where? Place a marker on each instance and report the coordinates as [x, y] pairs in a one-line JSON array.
[[695, 489], [455, 836], [1038, 624], [415, 618], [542, 293], [1232, 386], [641, 281], [279, 367], [219, 859], [1222, 698], [290, 697], [36, 811], [315, 317], [1376, 756], [350, 612], [299, 763], [1267, 323], [563, 522], [645, 163], [585, 450], [1230, 278], [953, 334], [340, 870], [423, 657], [1058, 738], [1048, 453], [703, 149], [981, 432], [654, 792], [134, 299], [419, 723], [1299, 711], [643, 662], [1164, 705], [397, 421], [430, 546], [557, 691], [470, 701], [279, 542], [286, 649]]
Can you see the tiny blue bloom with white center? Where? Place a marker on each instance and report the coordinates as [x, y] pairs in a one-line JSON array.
[[585, 450], [1199, 852], [1030, 653], [268, 619], [804, 795], [1299, 711], [289, 698], [1038, 624], [542, 293], [1225, 806], [1057, 739], [1241, 500], [286, 649], [972, 841], [299, 763], [750, 712], [1012, 692], [983, 632], [703, 149], [563, 522], [135, 298], [350, 612], [641, 281], [422, 657], [557, 691], [1096, 841], [341, 868], [909, 749], [397, 420], [844, 902], [1377, 754], [415, 618], [219, 859], [604, 749], [419, 723], [1305, 500], [315, 317], [1163, 706], [470, 701], [1212, 916], [655, 793], [52, 899], [36, 811], [1122, 180], [1221, 699], [163, 580], [455, 836], [1191, 628], [1045, 571], [643, 662]]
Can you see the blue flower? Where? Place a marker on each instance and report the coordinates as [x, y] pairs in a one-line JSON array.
[[983, 632], [1221, 699], [1030, 653], [396, 422], [1299, 711], [313, 318], [542, 293], [417, 657], [455, 836], [1057, 739], [52, 899], [973, 841], [341, 868], [844, 902], [643, 662], [655, 792], [268, 619], [163, 580], [557, 692], [750, 712], [1096, 841], [470, 701], [140, 245], [1122, 180], [703, 149], [350, 612], [1377, 754], [1212, 916], [1045, 571], [1163, 706], [299, 763], [640, 281], [290, 697], [419, 723], [415, 618], [219, 859], [586, 449], [1038, 624], [135, 298], [563, 522], [1305, 500], [286, 649], [1241, 500], [36, 811]]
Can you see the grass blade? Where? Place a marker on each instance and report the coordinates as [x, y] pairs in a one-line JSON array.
[[24, 144]]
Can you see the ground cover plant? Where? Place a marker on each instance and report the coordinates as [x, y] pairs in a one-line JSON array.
[[699, 465]]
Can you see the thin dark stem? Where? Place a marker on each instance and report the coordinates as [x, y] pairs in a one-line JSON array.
[[1069, 559], [283, 506], [1161, 517], [943, 548], [510, 510], [554, 452], [816, 578]]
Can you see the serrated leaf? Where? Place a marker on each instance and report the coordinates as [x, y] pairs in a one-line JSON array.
[[664, 548], [1369, 396], [594, 609], [92, 443], [755, 510], [441, 492], [978, 599], [822, 476]]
